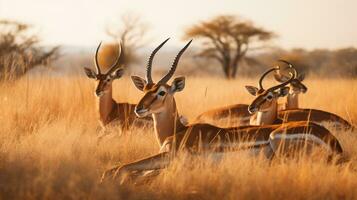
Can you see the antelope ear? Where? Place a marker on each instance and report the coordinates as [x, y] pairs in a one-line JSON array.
[[252, 90], [301, 77], [282, 92], [90, 73], [139, 82], [117, 73], [178, 84]]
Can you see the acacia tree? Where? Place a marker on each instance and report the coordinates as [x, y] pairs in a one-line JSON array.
[[227, 39], [20, 50], [131, 34]]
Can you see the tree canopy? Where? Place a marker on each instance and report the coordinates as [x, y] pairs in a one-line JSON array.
[[227, 39]]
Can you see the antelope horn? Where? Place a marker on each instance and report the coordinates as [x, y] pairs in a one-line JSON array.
[[290, 66], [280, 77], [283, 84], [96, 59], [174, 64], [265, 74], [151, 58], [116, 63]]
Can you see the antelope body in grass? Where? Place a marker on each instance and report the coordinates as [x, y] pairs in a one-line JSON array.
[[109, 110], [293, 111], [238, 113], [173, 136]]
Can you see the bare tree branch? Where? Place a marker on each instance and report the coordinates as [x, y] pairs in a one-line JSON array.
[[132, 34], [19, 51]]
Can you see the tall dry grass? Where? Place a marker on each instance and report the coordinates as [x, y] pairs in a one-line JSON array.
[[49, 147]]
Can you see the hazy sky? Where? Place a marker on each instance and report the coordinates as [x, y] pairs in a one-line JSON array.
[[299, 23]]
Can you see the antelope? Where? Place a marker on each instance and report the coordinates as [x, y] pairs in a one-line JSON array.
[[296, 87], [109, 109], [173, 136], [292, 110], [239, 112]]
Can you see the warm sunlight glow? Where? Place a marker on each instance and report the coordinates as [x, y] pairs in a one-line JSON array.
[[307, 24]]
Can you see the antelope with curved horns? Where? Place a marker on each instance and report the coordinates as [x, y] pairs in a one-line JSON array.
[[109, 109], [240, 111], [296, 86], [270, 114], [293, 112], [172, 136]]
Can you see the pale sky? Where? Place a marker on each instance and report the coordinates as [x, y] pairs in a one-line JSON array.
[[299, 23]]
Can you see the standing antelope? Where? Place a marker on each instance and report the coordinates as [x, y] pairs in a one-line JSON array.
[[109, 109], [172, 135]]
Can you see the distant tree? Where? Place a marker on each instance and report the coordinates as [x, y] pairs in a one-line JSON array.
[[227, 39], [20, 50], [347, 58], [132, 35]]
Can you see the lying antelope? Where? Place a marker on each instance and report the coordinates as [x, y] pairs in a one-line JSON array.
[[172, 135], [239, 112], [292, 110], [109, 109]]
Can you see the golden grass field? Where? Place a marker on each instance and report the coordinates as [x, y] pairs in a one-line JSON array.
[[49, 147]]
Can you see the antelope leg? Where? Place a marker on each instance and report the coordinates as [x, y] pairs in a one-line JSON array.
[[157, 161]]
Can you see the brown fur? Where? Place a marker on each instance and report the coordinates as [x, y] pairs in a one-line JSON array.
[[173, 136], [313, 115]]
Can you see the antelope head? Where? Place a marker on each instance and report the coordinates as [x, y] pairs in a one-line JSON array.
[[104, 80], [296, 85], [158, 96], [265, 98]]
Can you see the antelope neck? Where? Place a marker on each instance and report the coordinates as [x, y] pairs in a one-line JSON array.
[[268, 116], [105, 105], [292, 100], [167, 122]]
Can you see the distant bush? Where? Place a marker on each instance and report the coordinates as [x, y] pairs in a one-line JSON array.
[[20, 50], [322, 62]]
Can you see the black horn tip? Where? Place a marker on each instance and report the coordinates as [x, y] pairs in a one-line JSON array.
[[188, 44], [98, 47], [100, 44], [162, 43]]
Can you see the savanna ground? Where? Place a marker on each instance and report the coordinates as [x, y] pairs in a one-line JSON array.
[[49, 147]]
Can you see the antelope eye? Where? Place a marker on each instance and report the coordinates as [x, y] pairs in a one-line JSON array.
[[162, 93], [269, 97]]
